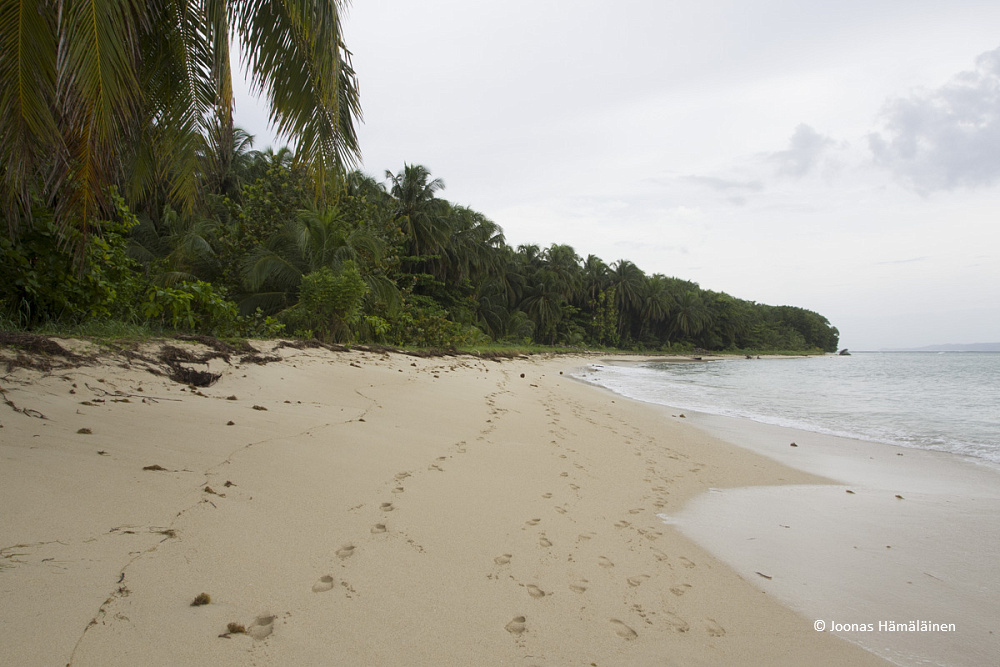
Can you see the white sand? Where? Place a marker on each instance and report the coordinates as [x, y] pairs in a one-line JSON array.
[[381, 510]]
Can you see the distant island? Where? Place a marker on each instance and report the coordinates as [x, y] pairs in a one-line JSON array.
[[951, 347]]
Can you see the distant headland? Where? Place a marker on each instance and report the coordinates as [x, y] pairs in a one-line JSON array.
[[950, 347]]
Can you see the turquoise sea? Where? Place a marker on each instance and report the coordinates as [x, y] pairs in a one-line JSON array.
[[945, 401]]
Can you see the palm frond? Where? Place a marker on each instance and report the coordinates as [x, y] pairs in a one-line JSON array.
[[267, 302], [272, 268], [295, 55], [97, 98], [27, 87]]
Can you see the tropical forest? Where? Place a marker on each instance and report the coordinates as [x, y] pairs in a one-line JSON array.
[[133, 204]]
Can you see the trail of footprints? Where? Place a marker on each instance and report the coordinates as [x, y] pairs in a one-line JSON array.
[[668, 619], [519, 625], [262, 627], [664, 619]]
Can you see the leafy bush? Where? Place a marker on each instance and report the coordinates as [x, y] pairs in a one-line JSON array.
[[198, 306], [191, 306], [424, 323], [329, 303], [47, 279]]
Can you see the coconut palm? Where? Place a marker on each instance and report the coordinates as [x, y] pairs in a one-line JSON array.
[[101, 92], [472, 250], [595, 277], [227, 159], [420, 214], [564, 265], [656, 302], [629, 282], [690, 315], [176, 247], [543, 303], [313, 240]]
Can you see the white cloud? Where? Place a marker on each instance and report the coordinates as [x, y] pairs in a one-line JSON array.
[[725, 184], [948, 137], [805, 149]]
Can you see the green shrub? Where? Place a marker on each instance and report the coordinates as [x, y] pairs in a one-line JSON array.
[[199, 306], [422, 322], [191, 306], [66, 275], [329, 303]]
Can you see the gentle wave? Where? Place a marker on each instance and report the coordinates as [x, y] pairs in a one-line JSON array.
[[944, 402]]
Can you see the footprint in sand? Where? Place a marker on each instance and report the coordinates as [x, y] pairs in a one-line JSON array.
[[578, 588], [386, 507], [503, 559], [561, 510], [324, 584], [637, 510], [261, 627], [546, 495], [680, 590], [564, 474], [400, 476], [434, 466], [605, 562], [635, 581], [714, 629], [623, 630], [622, 524], [685, 562], [583, 537], [398, 489], [345, 551], [532, 522], [544, 541], [574, 487], [676, 623], [516, 625], [535, 591], [378, 528]]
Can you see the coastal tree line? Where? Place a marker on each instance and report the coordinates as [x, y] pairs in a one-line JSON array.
[[130, 195]]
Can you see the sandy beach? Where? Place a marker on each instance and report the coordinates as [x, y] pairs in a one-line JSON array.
[[366, 508]]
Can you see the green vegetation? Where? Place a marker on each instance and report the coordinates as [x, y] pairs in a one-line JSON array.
[[134, 205]]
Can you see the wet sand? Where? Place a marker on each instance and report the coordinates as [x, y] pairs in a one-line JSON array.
[[901, 535]]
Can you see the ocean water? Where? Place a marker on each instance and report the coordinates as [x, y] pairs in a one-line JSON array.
[[946, 401]]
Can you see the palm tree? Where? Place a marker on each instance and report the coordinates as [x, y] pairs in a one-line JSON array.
[[472, 250], [595, 277], [564, 265], [176, 247], [656, 302], [420, 214], [101, 92], [629, 282], [313, 240], [690, 314], [543, 304], [227, 159]]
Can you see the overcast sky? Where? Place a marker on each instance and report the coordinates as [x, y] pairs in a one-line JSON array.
[[842, 156]]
